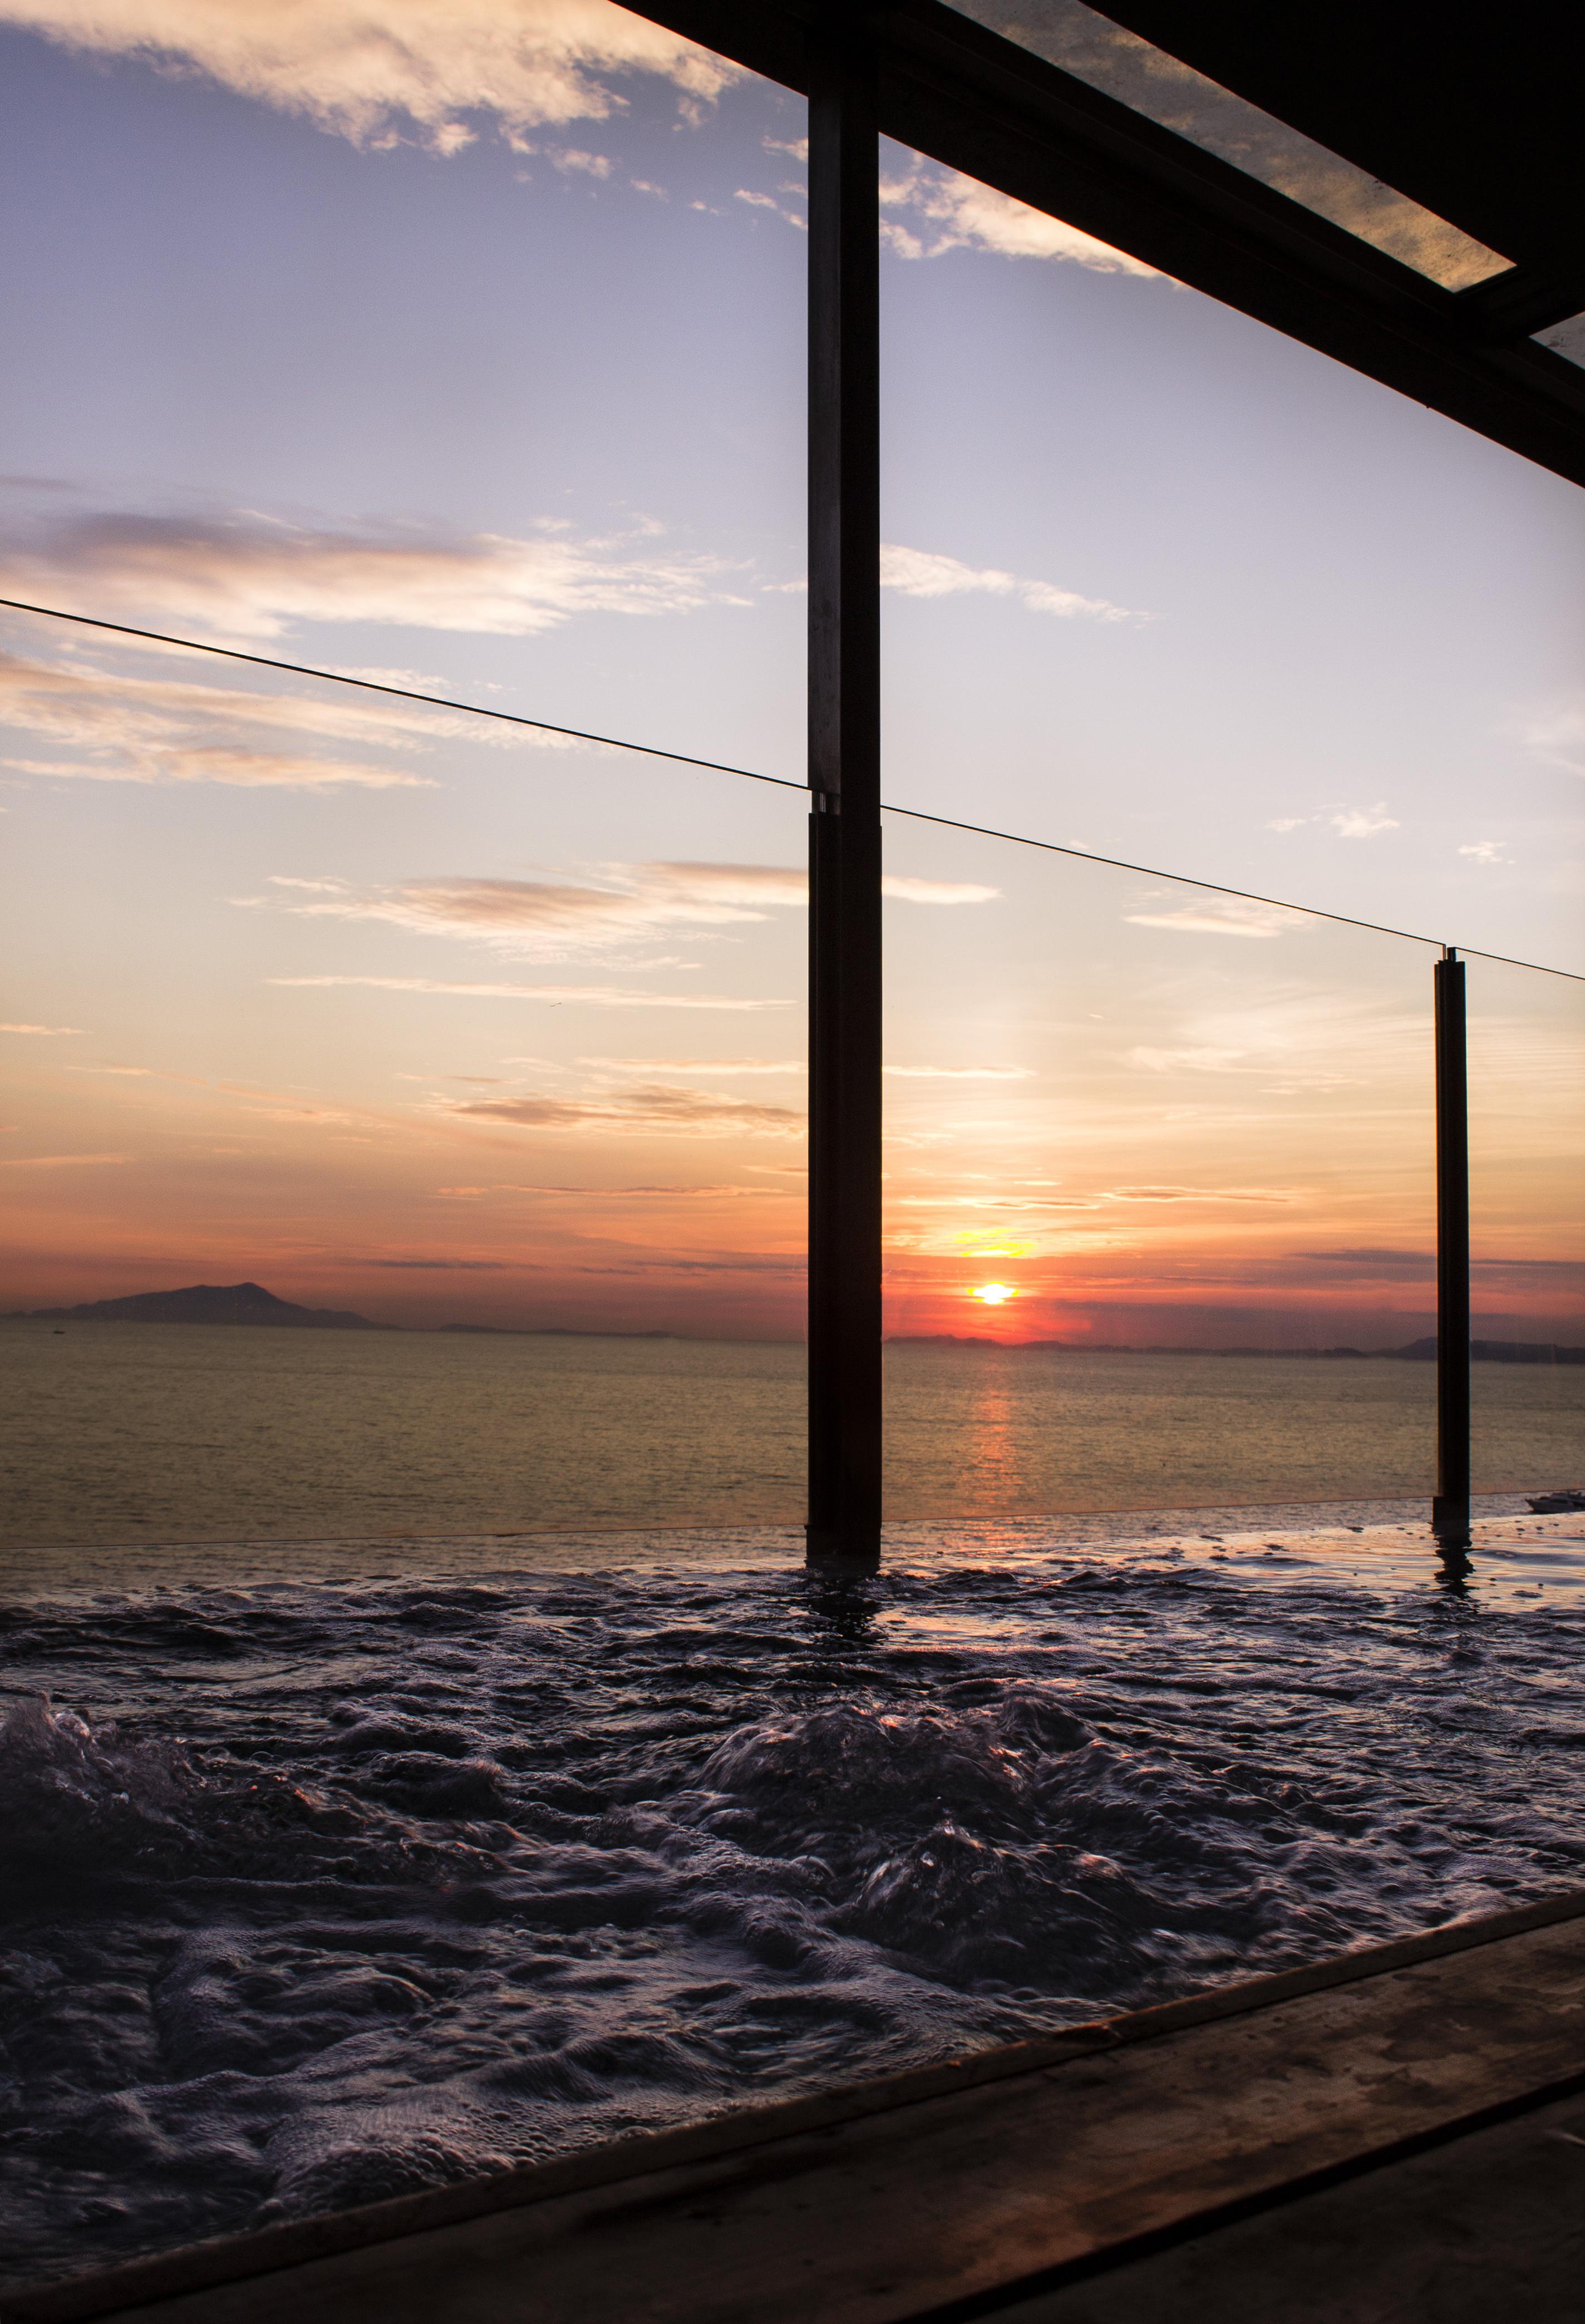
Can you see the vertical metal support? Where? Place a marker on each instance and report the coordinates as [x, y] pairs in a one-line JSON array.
[[845, 779], [1450, 1510]]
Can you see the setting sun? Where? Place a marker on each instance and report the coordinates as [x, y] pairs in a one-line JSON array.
[[994, 1294]]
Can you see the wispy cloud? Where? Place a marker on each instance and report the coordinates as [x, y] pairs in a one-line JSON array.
[[1220, 916], [1485, 850], [1417, 1262], [1363, 822], [938, 210], [902, 889], [929, 573], [1197, 1195], [657, 1106], [415, 681], [246, 576], [691, 1193], [1299, 1038], [545, 920], [1348, 821], [425, 69], [449, 1266], [1195, 1057], [46, 1032], [960, 1073], [590, 996], [931, 210], [759, 200], [169, 729], [1558, 737], [729, 1068], [242, 770], [57, 1161], [926, 573]]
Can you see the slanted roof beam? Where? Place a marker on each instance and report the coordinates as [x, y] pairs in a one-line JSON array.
[[984, 105]]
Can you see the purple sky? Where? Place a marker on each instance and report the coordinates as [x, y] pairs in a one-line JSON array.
[[471, 349]]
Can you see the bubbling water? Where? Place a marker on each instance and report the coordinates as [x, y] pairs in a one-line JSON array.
[[318, 1894]]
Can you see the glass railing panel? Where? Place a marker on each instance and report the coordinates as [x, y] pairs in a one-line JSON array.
[[460, 350], [1526, 1074], [1160, 1193], [434, 340], [468, 1059], [1162, 585]]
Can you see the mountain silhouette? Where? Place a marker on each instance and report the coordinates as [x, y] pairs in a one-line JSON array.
[[208, 1303]]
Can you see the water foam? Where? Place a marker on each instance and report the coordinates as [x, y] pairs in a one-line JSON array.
[[317, 1895]]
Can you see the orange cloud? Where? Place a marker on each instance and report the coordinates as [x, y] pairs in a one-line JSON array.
[[659, 1107]]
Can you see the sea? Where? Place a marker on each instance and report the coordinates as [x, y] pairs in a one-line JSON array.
[[420, 1759], [164, 1452]]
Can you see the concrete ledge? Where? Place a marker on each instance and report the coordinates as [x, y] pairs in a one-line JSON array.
[[1488, 2224], [949, 2191]]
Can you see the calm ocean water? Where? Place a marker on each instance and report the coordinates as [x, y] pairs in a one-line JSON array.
[[354, 1838], [127, 1438]]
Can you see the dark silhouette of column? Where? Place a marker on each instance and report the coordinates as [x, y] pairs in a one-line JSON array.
[[845, 779], [1450, 1510]]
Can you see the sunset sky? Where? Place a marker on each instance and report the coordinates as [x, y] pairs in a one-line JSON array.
[[461, 342]]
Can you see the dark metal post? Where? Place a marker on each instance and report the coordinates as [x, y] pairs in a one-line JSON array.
[[1450, 1510], [844, 777]]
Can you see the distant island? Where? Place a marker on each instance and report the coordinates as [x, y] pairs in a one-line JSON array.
[[204, 1302], [1481, 1352], [249, 1302]]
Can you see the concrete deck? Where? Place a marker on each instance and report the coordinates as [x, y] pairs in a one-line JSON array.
[[1395, 2134]]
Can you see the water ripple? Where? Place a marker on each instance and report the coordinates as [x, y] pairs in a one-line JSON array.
[[315, 1894]]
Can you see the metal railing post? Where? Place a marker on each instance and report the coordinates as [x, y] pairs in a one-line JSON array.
[[844, 780], [1450, 1510]]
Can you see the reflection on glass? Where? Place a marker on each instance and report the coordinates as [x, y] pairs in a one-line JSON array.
[[1160, 1194], [484, 1051], [1118, 62], [1527, 1228]]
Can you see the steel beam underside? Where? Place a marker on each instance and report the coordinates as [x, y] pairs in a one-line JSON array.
[[983, 105]]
